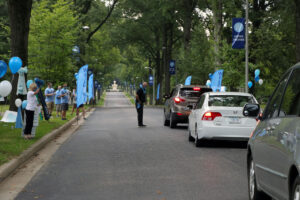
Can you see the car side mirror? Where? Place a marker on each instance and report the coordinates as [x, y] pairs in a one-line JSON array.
[[251, 110]]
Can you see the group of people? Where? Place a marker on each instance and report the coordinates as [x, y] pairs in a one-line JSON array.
[[59, 99]]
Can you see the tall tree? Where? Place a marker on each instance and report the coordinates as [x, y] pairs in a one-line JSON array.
[[297, 16], [19, 15]]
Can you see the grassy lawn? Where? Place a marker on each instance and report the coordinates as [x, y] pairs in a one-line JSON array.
[[11, 142], [130, 97], [102, 98]]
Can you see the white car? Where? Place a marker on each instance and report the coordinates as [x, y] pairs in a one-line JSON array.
[[219, 115]]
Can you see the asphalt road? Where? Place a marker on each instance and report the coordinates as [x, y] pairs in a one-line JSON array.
[[110, 158]]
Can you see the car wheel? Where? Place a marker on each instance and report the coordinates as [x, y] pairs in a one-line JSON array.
[[172, 121], [166, 121], [296, 189], [254, 193], [198, 142], [191, 139]]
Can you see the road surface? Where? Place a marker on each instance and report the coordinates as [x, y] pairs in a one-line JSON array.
[[110, 158]]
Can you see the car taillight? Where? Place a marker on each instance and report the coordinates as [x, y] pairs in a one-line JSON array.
[[210, 116], [196, 89], [178, 100]]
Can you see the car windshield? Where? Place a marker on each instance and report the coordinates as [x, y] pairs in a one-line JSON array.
[[230, 100], [191, 92]]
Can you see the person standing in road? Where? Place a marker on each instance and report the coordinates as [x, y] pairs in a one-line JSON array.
[[64, 94], [32, 104], [139, 103], [50, 93], [58, 101]]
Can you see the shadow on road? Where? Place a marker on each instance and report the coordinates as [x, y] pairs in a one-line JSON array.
[[224, 144]]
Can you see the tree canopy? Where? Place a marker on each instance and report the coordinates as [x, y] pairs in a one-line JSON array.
[[119, 38]]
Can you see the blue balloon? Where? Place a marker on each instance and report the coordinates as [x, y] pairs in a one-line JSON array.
[[257, 72], [3, 68], [210, 75], [76, 76], [24, 104], [15, 63], [256, 79], [29, 82], [250, 84]]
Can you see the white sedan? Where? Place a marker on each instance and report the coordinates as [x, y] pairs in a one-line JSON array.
[[219, 115]]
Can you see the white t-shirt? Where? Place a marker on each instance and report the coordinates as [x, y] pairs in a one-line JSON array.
[[31, 101]]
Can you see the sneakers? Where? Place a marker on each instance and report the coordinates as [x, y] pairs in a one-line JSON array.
[[143, 125]]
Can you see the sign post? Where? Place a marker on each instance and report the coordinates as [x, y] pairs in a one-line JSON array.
[[172, 67]]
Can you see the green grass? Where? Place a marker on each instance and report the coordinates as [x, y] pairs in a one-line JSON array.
[[130, 98], [11, 142], [102, 99]]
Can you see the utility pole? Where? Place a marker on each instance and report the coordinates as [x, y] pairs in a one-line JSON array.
[[246, 48]]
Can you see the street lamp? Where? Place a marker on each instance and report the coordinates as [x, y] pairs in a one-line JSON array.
[[153, 87]]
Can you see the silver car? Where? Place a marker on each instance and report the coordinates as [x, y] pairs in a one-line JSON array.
[[274, 147]]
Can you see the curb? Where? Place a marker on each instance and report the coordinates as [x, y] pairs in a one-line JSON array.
[[8, 168], [154, 107]]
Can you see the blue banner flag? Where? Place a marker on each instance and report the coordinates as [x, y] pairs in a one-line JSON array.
[[172, 67], [238, 33], [216, 81], [91, 87], [158, 88], [188, 80], [81, 85], [150, 80]]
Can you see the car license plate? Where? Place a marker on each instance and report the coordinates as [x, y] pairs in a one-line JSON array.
[[234, 120]]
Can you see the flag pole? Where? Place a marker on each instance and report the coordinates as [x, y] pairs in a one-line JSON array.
[[246, 48]]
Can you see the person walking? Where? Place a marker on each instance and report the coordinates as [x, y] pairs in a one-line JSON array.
[[32, 104], [50, 94], [58, 101], [139, 103], [64, 94]]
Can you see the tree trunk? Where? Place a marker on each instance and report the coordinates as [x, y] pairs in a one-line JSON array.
[[297, 15], [168, 43], [19, 15], [218, 24], [159, 68], [189, 6]]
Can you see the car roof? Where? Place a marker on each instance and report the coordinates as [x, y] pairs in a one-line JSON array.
[[295, 66], [191, 86], [229, 93]]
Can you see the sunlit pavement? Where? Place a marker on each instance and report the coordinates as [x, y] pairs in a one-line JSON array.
[[109, 157]]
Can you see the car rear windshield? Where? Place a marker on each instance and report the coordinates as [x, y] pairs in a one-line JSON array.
[[229, 100], [191, 92]]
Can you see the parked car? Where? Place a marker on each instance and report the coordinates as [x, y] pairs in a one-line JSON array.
[[179, 103], [219, 115], [274, 147]]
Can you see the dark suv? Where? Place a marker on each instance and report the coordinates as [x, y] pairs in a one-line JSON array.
[[180, 102], [274, 147]]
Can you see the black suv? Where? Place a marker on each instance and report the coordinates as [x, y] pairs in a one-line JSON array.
[[180, 102]]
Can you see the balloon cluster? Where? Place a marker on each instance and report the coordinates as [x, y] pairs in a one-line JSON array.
[[15, 63], [256, 78], [208, 82], [19, 102]]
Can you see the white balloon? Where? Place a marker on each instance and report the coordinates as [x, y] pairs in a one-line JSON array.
[[5, 88], [260, 81], [18, 102]]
